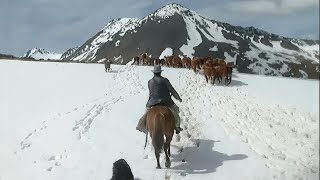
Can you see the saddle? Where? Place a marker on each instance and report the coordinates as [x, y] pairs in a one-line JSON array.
[[178, 129]]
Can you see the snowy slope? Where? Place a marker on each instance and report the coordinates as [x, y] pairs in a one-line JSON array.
[[68, 124], [40, 53], [117, 26]]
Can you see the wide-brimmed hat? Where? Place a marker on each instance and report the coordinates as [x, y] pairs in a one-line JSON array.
[[156, 69]]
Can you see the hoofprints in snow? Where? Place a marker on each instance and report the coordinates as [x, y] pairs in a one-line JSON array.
[[58, 122]]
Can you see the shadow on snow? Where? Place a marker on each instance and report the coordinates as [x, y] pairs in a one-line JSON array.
[[203, 159]]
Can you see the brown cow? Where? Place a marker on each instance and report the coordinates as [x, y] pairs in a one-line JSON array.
[[136, 60], [145, 59], [169, 60], [224, 70], [208, 71], [186, 62], [219, 71], [195, 64], [157, 61], [151, 61], [228, 74], [222, 62], [202, 60], [177, 62], [162, 62]]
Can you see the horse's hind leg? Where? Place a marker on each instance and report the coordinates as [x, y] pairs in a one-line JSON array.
[[167, 151], [158, 162], [230, 79], [168, 163], [167, 145]]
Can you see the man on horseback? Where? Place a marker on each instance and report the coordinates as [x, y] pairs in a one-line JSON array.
[[160, 91], [107, 65]]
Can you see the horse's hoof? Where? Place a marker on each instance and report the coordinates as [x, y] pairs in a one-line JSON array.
[[158, 167], [168, 164]]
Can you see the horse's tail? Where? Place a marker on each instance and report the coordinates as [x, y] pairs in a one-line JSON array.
[[157, 138]]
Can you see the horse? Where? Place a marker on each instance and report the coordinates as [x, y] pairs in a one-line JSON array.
[[160, 122], [107, 65]]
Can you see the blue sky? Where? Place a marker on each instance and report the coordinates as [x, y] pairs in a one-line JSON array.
[[59, 25]]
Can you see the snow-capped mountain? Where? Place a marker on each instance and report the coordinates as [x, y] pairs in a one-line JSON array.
[[188, 33], [40, 53], [68, 53]]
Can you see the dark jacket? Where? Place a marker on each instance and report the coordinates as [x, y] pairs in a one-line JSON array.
[[160, 91]]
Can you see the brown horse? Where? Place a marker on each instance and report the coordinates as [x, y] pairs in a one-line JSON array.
[[160, 122]]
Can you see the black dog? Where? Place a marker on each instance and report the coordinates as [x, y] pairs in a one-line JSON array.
[[121, 170]]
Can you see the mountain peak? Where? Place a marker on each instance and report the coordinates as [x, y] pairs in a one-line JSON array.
[[41, 53], [169, 10], [35, 50], [174, 5]]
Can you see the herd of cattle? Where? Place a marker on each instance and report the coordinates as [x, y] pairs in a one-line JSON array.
[[213, 68]]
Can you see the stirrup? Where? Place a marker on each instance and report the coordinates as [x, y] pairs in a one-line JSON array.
[[178, 129]]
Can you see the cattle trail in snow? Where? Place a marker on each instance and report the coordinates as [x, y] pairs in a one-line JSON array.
[[242, 116]]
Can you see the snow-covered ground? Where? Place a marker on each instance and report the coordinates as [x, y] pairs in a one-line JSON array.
[[72, 121]]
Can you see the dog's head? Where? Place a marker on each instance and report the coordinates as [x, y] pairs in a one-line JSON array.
[[121, 170]]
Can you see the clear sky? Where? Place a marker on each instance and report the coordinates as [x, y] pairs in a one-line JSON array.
[[57, 25]]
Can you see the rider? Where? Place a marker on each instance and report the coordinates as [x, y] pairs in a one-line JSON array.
[[160, 89]]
